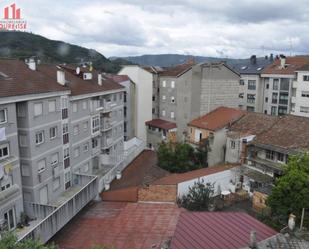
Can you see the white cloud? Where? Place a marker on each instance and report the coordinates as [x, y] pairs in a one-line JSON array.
[[200, 27]]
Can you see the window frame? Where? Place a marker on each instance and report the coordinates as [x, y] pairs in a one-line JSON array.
[[5, 116], [36, 136]]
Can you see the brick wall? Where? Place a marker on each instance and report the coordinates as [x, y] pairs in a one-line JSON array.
[[159, 193]]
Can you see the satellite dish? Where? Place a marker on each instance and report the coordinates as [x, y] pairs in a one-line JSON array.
[[77, 70]]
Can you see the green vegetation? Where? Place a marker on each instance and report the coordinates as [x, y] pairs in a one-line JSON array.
[[9, 241], [198, 197], [22, 45], [182, 157], [291, 191]]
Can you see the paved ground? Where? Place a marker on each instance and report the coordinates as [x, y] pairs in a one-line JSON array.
[[119, 224]]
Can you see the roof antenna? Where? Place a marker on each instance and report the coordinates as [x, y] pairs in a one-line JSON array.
[[291, 45]]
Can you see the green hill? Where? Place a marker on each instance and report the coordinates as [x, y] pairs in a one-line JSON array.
[[22, 45]]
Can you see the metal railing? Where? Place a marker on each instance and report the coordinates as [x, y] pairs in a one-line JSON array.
[[61, 215]]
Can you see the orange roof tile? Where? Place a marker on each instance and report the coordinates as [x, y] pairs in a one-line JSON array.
[[183, 177], [218, 118], [160, 123]]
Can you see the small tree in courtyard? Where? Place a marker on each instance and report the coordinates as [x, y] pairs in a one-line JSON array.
[[198, 198], [291, 191]]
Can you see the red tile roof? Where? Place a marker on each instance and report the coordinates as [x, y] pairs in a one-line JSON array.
[[117, 78], [177, 70], [22, 81], [183, 177], [163, 124], [218, 118], [292, 65], [213, 230]]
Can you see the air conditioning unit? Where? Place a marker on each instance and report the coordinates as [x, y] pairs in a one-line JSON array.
[[87, 76]]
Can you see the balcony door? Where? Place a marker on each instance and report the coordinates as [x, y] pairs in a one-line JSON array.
[[9, 216]]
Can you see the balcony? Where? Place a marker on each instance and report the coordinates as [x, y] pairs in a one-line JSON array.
[[106, 143], [51, 218], [9, 194], [106, 124]]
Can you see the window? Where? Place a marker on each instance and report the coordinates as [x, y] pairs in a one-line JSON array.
[[3, 118], [153, 110], [241, 95], [251, 84], [273, 110], [114, 97], [163, 83], [280, 157], [53, 132], [250, 109], [4, 151], [282, 110], [172, 115], [172, 99], [267, 86], [56, 184], [172, 84], [23, 140], [125, 97], [284, 98], [9, 216], [163, 113], [39, 138], [84, 105], [25, 170], [76, 152], [305, 94], [306, 77], [163, 97], [153, 98], [74, 107], [52, 106], [251, 98], [124, 111], [270, 154], [276, 84], [86, 147], [285, 84], [241, 82], [38, 109], [54, 159], [95, 124], [65, 133], [85, 125], [232, 145], [67, 179], [41, 165], [76, 130], [304, 109], [94, 143], [274, 99], [66, 157], [266, 99]]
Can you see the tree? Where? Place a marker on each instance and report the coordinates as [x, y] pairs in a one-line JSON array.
[[291, 191], [9, 241], [198, 197], [181, 157]]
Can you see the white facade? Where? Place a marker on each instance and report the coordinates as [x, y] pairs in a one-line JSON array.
[[223, 181], [300, 97], [143, 80]]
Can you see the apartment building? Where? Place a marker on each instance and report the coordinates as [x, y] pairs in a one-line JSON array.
[[277, 80], [129, 109], [250, 86], [143, 81], [69, 124], [190, 90], [213, 128], [300, 92]]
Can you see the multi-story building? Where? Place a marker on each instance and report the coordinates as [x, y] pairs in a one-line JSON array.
[[300, 92], [129, 108], [190, 90], [69, 124], [212, 128], [250, 85], [277, 80], [143, 81]]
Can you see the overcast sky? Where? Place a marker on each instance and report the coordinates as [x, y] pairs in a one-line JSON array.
[[221, 28]]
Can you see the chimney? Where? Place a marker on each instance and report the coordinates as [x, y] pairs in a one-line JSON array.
[[253, 60], [253, 243], [61, 77], [100, 79], [271, 57], [282, 61], [31, 64]]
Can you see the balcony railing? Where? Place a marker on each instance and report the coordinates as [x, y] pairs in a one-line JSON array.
[[54, 218]]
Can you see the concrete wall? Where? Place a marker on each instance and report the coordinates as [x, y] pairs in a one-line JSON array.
[[217, 147], [143, 81], [298, 101], [221, 182]]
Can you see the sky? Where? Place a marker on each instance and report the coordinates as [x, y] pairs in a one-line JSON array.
[[225, 28]]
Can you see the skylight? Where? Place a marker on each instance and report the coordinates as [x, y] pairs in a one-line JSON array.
[[259, 68], [244, 67]]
